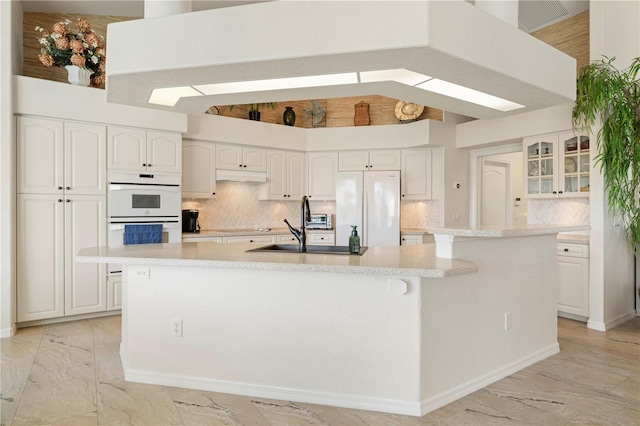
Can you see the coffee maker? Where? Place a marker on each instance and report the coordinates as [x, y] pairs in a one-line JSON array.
[[190, 221]]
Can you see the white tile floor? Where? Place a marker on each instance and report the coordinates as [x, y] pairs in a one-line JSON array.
[[70, 374]]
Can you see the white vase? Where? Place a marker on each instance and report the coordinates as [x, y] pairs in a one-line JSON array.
[[77, 75]]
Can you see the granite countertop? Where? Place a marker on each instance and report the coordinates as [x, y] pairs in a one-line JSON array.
[[573, 238], [416, 260], [507, 231], [242, 232], [423, 231]]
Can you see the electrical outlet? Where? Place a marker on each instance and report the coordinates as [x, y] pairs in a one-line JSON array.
[[176, 328], [140, 273], [507, 321]]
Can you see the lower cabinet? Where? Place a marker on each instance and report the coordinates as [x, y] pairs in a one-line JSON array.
[[321, 239], [50, 231], [201, 239], [114, 293], [411, 239], [573, 280]]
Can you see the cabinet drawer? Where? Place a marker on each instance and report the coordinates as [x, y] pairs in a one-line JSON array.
[[257, 239], [287, 239], [322, 239], [201, 239], [411, 239], [573, 250]]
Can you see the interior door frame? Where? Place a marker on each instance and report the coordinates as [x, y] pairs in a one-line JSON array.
[[476, 171]]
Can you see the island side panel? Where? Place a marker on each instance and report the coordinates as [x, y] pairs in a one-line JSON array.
[[465, 344], [348, 340]]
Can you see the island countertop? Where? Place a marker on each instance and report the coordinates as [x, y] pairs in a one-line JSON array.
[[507, 231], [417, 260]]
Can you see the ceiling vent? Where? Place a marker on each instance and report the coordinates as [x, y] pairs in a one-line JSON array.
[[535, 14]]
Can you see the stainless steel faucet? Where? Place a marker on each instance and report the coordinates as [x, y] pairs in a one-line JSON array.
[[301, 234]]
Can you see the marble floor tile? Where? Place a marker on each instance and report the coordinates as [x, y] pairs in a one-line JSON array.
[[107, 329], [287, 413], [54, 395], [373, 418], [108, 362], [125, 403], [58, 352], [210, 408], [29, 333], [86, 420], [71, 328]]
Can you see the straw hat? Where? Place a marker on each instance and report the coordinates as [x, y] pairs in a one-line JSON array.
[[408, 111]]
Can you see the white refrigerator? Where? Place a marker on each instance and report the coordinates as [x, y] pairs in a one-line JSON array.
[[371, 201]]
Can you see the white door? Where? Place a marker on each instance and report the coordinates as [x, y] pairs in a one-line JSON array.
[[384, 159], [296, 174], [164, 152], [349, 208], [85, 162], [495, 193], [381, 216], [127, 149], [416, 174], [323, 167], [228, 157], [40, 156], [85, 226], [198, 169], [351, 161], [254, 159], [277, 175], [40, 257]]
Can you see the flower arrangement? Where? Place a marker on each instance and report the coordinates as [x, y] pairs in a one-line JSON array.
[[83, 48]]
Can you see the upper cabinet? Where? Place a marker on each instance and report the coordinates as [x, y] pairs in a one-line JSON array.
[[241, 157], [137, 150], [382, 159], [286, 175], [556, 165], [198, 169], [323, 167], [55, 157], [416, 174]]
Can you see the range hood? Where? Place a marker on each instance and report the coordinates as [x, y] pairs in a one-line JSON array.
[[233, 48], [241, 176]]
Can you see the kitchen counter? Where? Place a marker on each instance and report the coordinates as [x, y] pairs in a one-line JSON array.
[[415, 261], [243, 232], [297, 326], [573, 238], [507, 231]]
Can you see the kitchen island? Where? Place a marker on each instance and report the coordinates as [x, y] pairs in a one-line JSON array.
[[397, 329]]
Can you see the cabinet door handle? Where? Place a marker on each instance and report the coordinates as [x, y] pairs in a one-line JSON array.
[[559, 192], [60, 188], [149, 165], [68, 188], [213, 193], [144, 164], [68, 200], [566, 249], [554, 192], [250, 241], [59, 200], [244, 166], [403, 195]]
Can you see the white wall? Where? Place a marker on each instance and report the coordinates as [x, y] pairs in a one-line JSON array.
[[11, 60], [615, 32], [519, 212]]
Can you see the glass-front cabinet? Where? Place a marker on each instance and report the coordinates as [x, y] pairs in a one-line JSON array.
[[556, 165]]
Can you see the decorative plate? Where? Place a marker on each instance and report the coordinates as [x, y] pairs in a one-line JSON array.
[[570, 165], [213, 110], [533, 171], [408, 111]]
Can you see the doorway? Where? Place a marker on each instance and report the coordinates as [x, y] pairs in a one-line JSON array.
[[497, 187]]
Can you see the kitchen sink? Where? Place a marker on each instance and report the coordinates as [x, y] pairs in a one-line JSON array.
[[293, 248]]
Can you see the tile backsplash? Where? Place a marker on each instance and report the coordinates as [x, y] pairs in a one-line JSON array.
[[237, 206], [563, 211]]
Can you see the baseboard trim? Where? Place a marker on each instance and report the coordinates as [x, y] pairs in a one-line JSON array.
[[596, 325], [621, 319], [274, 392], [471, 386], [8, 332]]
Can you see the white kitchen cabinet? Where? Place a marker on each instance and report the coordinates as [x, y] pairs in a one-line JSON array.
[[411, 239], [382, 159], [286, 175], [416, 174], [322, 170], [573, 280], [286, 239], [198, 169], [257, 239], [241, 157], [321, 239], [84, 226], [556, 165], [139, 150], [56, 157], [114, 293], [50, 231]]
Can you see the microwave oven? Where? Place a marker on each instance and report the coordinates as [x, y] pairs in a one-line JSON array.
[[320, 221]]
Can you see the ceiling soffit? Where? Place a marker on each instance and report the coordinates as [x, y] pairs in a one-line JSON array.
[[449, 40]]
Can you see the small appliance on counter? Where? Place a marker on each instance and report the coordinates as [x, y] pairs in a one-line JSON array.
[[320, 221], [190, 221]]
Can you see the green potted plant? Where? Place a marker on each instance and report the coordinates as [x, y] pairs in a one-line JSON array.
[[612, 98], [254, 109]]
